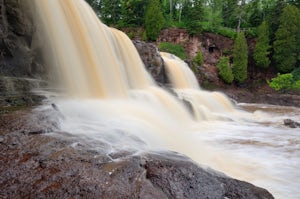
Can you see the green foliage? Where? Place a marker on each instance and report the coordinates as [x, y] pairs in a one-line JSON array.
[[226, 32], [262, 48], [154, 20], [193, 14], [133, 13], [144, 36], [240, 58], [296, 85], [273, 18], [229, 13], [175, 49], [281, 82], [131, 34], [287, 39], [198, 59], [296, 74], [110, 11], [225, 71]]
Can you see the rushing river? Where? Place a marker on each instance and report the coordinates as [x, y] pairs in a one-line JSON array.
[[264, 148], [258, 149]]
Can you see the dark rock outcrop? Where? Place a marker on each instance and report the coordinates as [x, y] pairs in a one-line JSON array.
[[152, 60], [61, 165], [20, 57], [291, 123]]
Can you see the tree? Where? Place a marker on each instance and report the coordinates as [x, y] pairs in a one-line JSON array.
[[154, 19], [225, 71], [240, 58], [273, 17], [133, 12], [262, 48], [255, 13], [287, 39], [229, 12], [193, 14], [110, 11], [214, 14]]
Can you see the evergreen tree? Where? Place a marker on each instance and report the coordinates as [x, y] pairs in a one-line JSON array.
[[229, 13], [255, 13], [240, 58], [154, 19], [262, 48], [287, 39], [193, 14], [214, 14], [110, 11], [133, 12], [225, 71], [273, 17]]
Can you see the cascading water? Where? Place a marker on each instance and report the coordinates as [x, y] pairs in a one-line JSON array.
[[206, 105], [111, 98]]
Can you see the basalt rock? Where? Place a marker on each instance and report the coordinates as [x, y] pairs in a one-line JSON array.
[[61, 165], [20, 57], [291, 123], [20, 54], [152, 60]]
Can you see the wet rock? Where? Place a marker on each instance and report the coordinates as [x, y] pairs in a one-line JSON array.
[[152, 60], [291, 123], [20, 58], [64, 166]]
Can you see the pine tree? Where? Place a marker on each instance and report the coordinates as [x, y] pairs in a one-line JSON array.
[[111, 11], [262, 48], [193, 14], [287, 39], [154, 19], [240, 58], [133, 12], [225, 71]]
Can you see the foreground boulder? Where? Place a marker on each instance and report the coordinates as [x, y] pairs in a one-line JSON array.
[[36, 163], [291, 123]]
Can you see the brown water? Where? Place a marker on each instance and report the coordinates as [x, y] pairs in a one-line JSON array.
[[112, 98]]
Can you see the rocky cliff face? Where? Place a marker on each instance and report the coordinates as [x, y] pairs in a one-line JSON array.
[[20, 55], [211, 45]]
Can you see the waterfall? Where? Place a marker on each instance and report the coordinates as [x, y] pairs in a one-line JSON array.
[[206, 105], [111, 98], [107, 83]]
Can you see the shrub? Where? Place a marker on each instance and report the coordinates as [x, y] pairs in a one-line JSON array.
[[296, 85], [225, 71], [296, 74], [131, 34], [198, 59], [144, 36], [284, 81], [226, 32], [175, 49]]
